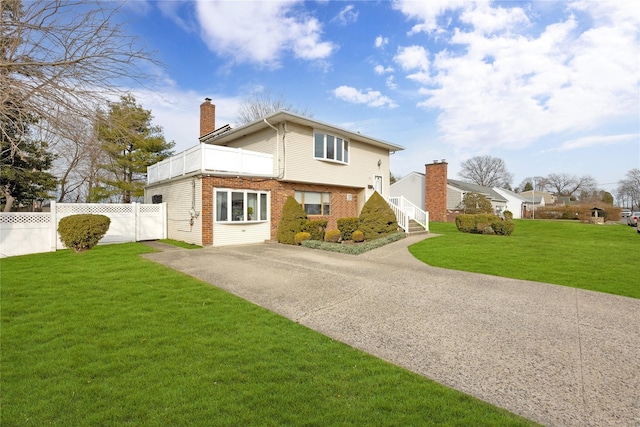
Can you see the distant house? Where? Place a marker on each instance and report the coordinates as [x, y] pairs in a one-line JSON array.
[[230, 188], [516, 204], [442, 197]]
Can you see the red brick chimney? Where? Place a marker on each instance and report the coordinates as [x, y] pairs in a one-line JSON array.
[[436, 190], [207, 117]]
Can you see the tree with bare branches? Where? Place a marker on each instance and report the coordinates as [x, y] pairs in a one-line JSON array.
[[261, 104], [486, 171], [60, 60], [628, 191], [563, 184]]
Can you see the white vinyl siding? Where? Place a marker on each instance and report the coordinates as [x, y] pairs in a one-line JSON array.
[[225, 234], [179, 196]]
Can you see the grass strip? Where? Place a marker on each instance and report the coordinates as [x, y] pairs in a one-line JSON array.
[[586, 256], [106, 337]]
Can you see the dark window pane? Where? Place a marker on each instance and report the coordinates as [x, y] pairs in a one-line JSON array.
[[330, 147], [339, 149], [319, 145], [221, 206], [237, 206]]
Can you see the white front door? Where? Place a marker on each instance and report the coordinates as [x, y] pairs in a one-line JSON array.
[[377, 184]]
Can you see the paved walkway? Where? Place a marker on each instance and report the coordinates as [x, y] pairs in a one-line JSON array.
[[556, 355]]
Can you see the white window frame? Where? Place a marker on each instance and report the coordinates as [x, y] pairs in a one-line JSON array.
[[261, 213], [332, 141]]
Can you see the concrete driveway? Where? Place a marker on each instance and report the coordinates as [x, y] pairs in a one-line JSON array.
[[556, 355]]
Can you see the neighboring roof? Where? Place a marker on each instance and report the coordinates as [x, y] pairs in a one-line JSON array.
[[510, 193], [473, 188], [230, 135], [408, 176]]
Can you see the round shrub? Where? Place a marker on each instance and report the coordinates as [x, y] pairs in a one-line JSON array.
[[503, 228], [357, 236], [508, 215], [82, 232], [347, 226], [475, 223], [332, 236], [377, 218], [301, 237], [291, 222]]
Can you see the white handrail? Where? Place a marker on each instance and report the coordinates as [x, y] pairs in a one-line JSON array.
[[405, 211]]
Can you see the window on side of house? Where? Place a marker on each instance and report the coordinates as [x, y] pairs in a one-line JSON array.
[[330, 147], [241, 206], [314, 203]]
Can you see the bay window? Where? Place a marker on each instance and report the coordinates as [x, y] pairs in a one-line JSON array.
[[330, 147], [241, 206]]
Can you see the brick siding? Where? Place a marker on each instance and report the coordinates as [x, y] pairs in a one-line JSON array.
[[340, 205], [436, 191]]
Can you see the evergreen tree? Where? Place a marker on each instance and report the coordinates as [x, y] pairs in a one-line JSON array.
[[132, 143], [377, 218], [23, 167], [475, 203]]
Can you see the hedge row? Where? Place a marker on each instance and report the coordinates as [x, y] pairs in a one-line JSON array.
[[484, 224]]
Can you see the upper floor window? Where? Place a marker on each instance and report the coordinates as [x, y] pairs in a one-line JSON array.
[[330, 147]]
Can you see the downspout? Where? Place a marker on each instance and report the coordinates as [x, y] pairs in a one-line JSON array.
[[277, 147]]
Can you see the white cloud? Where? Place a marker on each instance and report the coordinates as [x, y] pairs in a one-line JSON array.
[[380, 70], [372, 98], [591, 141], [427, 12], [391, 83], [381, 42], [261, 32], [502, 86], [487, 19], [347, 15], [414, 58]]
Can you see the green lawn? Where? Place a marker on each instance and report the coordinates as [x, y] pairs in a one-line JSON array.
[[601, 258], [108, 338]]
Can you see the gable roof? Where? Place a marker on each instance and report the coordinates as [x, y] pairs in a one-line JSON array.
[[509, 193], [225, 137], [409, 175], [473, 188]]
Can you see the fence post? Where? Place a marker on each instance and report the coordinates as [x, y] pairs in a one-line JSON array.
[[54, 226], [164, 219], [136, 220]]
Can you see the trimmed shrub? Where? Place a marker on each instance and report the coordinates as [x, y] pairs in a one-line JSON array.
[[347, 226], [486, 229], [503, 228], [508, 215], [82, 232], [377, 218], [467, 223], [332, 236], [316, 228], [357, 236], [292, 220], [301, 237]]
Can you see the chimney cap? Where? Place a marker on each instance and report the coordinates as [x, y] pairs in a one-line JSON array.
[[207, 99]]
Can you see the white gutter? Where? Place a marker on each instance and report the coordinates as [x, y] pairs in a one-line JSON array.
[[277, 147]]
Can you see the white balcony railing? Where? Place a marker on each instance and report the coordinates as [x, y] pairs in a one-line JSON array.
[[211, 158]]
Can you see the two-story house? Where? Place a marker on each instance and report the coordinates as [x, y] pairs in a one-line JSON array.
[[230, 188]]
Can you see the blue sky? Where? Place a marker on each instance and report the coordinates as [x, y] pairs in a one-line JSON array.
[[549, 87]]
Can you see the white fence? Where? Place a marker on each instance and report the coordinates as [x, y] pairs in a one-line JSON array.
[[24, 233]]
